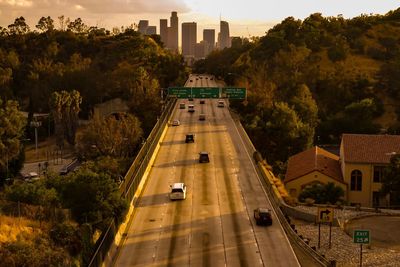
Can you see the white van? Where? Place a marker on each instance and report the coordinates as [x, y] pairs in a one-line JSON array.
[[178, 191]]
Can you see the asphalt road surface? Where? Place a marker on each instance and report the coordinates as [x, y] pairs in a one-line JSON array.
[[214, 226]]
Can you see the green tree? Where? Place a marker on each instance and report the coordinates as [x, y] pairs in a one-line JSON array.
[[12, 124], [45, 24], [110, 137], [322, 193], [65, 108], [391, 180], [77, 26], [93, 197], [19, 26]]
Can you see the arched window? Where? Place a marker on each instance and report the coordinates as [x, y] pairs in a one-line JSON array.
[[356, 180]]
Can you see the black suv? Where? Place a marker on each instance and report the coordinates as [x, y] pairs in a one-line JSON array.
[[263, 216], [203, 158], [189, 138]]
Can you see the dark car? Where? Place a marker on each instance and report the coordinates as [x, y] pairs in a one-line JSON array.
[[189, 138], [202, 101], [203, 157], [263, 216], [190, 98]]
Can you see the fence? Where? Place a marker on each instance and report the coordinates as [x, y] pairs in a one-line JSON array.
[[131, 182]]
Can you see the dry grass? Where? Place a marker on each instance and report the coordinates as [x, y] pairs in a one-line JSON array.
[[12, 229]]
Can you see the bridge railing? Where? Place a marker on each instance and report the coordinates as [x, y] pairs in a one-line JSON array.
[[277, 204], [131, 182]]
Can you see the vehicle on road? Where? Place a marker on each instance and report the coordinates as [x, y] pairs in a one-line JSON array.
[[202, 117], [263, 216], [178, 191], [203, 157], [202, 101], [190, 98], [189, 138], [176, 123], [191, 108], [221, 103], [182, 106]]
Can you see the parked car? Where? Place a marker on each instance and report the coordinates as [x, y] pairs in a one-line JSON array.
[[203, 157], [178, 191], [189, 138], [263, 216], [176, 123]]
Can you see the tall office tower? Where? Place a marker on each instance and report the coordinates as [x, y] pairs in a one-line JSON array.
[[143, 24], [189, 38], [200, 50], [151, 30], [173, 32], [224, 39], [209, 39], [164, 31]]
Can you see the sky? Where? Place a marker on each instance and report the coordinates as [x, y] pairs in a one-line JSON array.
[[246, 17]]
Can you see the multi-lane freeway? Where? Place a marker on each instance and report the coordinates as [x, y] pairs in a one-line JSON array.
[[214, 225]]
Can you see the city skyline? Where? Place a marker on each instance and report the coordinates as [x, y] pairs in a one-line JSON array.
[[246, 18]]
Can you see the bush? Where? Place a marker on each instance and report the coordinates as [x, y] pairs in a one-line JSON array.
[[322, 193]]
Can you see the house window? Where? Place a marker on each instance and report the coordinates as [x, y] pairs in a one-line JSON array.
[[378, 173], [356, 180]]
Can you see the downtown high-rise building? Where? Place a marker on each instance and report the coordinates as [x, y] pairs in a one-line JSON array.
[[209, 40], [189, 38], [142, 26], [164, 31], [224, 39], [173, 32]]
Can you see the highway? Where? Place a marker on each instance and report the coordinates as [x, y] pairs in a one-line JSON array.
[[214, 226]]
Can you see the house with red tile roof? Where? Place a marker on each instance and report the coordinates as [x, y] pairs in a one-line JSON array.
[[314, 165], [358, 169]]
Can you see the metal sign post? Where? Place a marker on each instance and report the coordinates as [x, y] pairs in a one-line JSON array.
[[325, 215], [361, 237]]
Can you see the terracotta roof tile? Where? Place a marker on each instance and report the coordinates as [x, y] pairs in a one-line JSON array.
[[313, 159], [368, 148]]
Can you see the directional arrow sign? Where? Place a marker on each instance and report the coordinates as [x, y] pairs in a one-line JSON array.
[[325, 215]]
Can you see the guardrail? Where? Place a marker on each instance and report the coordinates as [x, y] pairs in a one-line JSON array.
[[277, 202], [131, 182]]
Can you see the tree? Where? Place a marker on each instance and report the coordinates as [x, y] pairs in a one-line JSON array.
[[77, 26], [322, 193], [45, 24], [110, 137], [12, 125], [93, 197], [65, 108], [391, 180], [19, 26]]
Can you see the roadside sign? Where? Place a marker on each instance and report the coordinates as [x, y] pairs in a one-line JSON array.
[[361, 237], [325, 215], [233, 93]]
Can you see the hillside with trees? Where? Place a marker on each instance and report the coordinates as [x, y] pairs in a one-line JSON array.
[[63, 72], [311, 80]]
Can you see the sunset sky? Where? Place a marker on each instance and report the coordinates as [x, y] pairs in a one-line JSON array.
[[246, 17]]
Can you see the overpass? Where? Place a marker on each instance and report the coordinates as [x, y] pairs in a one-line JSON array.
[[214, 226]]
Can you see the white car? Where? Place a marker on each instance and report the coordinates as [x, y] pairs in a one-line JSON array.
[[176, 123], [178, 191]]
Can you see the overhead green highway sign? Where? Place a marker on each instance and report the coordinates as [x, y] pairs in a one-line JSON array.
[[233, 93], [207, 92]]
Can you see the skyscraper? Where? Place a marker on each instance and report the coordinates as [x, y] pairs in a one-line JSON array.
[[173, 32], [164, 31], [142, 27], [224, 39], [189, 38], [209, 40], [151, 30]]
